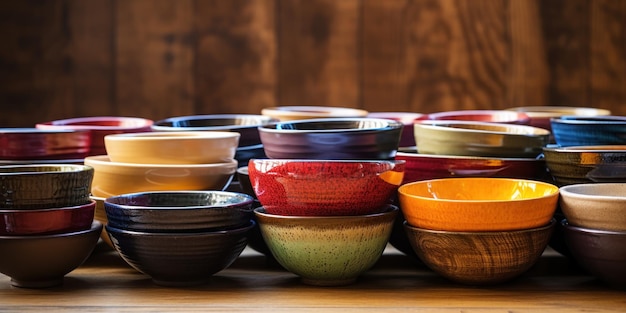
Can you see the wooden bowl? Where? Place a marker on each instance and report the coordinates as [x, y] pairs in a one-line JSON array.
[[597, 206]]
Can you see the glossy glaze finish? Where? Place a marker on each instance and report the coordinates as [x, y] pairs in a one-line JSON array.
[[478, 204], [324, 187], [407, 139], [338, 138], [586, 164], [480, 258], [327, 251], [46, 221], [540, 115], [299, 112], [41, 144], [589, 131], [596, 205], [44, 186], [492, 116]]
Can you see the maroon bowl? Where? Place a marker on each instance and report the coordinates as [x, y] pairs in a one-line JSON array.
[[46, 221], [407, 139], [100, 126], [325, 187], [493, 116], [39, 144]]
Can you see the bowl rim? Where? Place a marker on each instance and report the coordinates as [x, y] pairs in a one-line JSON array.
[[447, 126], [137, 123], [390, 209], [570, 191], [96, 226], [104, 160], [387, 124], [33, 130], [73, 169], [86, 206], [313, 110], [552, 223], [181, 234], [246, 199], [520, 116]]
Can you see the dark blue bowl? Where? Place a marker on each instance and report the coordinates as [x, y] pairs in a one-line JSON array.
[[589, 131]]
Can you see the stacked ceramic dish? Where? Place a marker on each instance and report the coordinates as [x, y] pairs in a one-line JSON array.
[[47, 226], [179, 238], [39, 146]]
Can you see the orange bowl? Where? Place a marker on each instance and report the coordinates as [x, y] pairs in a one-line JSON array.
[[478, 204]]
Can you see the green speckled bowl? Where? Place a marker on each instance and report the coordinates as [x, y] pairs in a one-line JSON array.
[[327, 250]]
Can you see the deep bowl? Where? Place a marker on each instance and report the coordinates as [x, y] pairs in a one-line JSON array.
[[36, 261], [596, 206], [112, 178], [100, 126], [332, 138], [180, 259], [480, 258], [589, 130], [46, 221], [540, 115], [44, 186], [492, 116], [325, 187], [198, 147], [478, 204], [601, 252], [291, 113], [484, 139], [407, 139], [41, 144], [179, 211], [327, 251], [586, 164]]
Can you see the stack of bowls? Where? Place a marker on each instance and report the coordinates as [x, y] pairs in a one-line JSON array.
[[38, 146], [179, 238], [479, 230], [47, 226]]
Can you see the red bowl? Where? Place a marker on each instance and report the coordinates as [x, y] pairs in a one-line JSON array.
[[325, 187], [100, 126], [47, 221], [493, 116], [39, 144]]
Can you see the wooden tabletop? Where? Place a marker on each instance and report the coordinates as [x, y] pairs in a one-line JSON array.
[[254, 283]]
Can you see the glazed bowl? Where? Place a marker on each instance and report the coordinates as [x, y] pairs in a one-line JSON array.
[[601, 252], [478, 204], [44, 186], [41, 144], [179, 259], [540, 115], [46, 221], [596, 206], [325, 187], [291, 113], [99, 127], [407, 139], [41, 261], [179, 211], [113, 178], [327, 250], [586, 164], [589, 130], [100, 215], [480, 258], [199, 147], [484, 139], [332, 138], [492, 116]]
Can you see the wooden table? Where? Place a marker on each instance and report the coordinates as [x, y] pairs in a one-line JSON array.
[[254, 283]]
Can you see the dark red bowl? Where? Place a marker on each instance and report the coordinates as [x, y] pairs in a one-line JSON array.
[[493, 116], [46, 221], [40, 144]]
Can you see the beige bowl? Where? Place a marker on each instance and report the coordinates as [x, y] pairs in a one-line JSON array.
[[114, 178], [595, 205], [290, 113], [191, 147], [485, 139]]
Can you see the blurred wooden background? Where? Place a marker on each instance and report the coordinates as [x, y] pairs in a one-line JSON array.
[[163, 58]]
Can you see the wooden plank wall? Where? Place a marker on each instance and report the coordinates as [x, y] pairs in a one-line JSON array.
[[163, 58]]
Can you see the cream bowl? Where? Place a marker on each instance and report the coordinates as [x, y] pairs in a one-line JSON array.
[[595, 205]]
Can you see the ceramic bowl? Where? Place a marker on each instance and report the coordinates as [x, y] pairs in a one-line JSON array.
[[586, 164], [480, 139], [100, 215], [41, 261], [601, 252], [113, 178], [332, 138], [324, 187], [597, 206], [480, 258], [492, 116], [291, 113], [199, 147], [407, 139], [178, 211], [327, 251], [99, 127], [589, 130], [180, 259], [46, 221], [44, 186], [540, 115], [41, 144], [478, 204]]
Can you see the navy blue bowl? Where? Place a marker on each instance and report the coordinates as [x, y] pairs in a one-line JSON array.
[[589, 131]]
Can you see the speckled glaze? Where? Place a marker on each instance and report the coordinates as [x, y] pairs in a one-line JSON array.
[[46, 221], [302, 112], [41, 261], [407, 139], [44, 186], [325, 187], [41, 144], [180, 259], [589, 130], [480, 258], [327, 251], [586, 164], [478, 204], [492, 116], [176, 211], [595, 205]]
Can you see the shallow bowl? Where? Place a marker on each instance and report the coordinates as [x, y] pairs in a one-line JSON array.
[[42, 144], [478, 204], [407, 139], [589, 130], [540, 115], [291, 113], [327, 251], [596, 206], [46, 221], [586, 164], [492, 116]]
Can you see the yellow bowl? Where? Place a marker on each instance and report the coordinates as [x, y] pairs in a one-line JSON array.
[[478, 204]]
